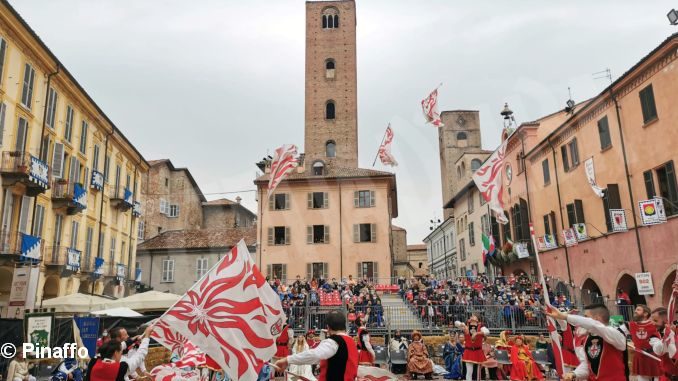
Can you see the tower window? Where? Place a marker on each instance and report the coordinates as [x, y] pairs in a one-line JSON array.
[[318, 168], [330, 148], [330, 18], [475, 164], [329, 69], [461, 135], [329, 110]]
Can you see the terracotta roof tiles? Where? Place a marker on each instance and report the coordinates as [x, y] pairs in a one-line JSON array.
[[200, 239]]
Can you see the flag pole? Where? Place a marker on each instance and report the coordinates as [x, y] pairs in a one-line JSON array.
[[382, 142]]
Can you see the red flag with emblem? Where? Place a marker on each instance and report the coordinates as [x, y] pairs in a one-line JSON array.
[[285, 159], [430, 108], [232, 315]]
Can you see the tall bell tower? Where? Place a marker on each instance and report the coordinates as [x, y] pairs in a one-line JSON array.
[[331, 108]]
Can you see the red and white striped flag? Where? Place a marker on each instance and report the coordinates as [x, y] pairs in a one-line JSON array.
[[285, 159], [488, 179], [430, 108], [385, 149], [550, 322], [232, 315]]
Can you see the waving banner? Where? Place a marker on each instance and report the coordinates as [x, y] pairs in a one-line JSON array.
[[591, 176], [384, 153], [488, 179], [430, 108], [285, 159], [232, 315]]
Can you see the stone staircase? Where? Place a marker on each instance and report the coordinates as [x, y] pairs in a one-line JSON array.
[[398, 314]]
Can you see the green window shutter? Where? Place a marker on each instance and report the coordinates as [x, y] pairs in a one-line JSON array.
[[309, 234], [288, 239], [649, 184], [373, 231], [372, 198], [579, 209], [326, 270], [356, 233], [309, 271], [566, 164], [270, 202], [309, 200], [270, 236], [356, 199], [375, 271], [284, 273], [326, 200], [327, 234], [571, 217], [287, 201], [358, 272]]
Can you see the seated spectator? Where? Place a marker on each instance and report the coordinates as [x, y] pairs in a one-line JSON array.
[[523, 367], [18, 369], [418, 361]]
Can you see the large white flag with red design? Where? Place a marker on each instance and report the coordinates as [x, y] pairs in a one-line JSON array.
[[385, 148], [285, 159], [371, 373], [488, 179], [430, 108], [671, 308], [232, 315], [186, 353]]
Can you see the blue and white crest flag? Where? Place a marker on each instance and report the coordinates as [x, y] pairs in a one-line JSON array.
[[73, 259], [39, 172], [137, 275], [97, 180], [128, 197], [98, 266], [30, 246], [80, 196]]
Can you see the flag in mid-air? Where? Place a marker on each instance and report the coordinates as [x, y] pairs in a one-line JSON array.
[[232, 315], [671, 308], [488, 247], [385, 149], [488, 179], [285, 159], [430, 108]]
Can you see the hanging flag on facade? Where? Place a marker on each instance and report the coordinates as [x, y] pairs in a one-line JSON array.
[[285, 159], [30, 247], [550, 241], [591, 176], [489, 248], [385, 148], [430, 108], [488, 179], [580, 230], [98, 267], [618, 219], [570, 237], [232, 315]]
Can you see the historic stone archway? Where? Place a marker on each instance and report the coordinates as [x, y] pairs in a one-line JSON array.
[[591, 293], [667, 287], [627, 283], [5, 284], [51, 288], [85, 287]]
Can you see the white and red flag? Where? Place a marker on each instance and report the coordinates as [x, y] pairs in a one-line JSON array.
[[285, 159], [430, 108], [550, 322], [488, 179], [186, 353], [385, 148], [232, 315], [671, 308], [371, 373]]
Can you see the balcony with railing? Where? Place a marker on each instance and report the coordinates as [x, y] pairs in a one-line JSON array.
[[20, 244], [69, 195], [63, 256], [121, 198], [22, 167]]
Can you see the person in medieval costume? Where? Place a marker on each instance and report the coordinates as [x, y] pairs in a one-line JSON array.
[[452, 353], [666, 350], [473, 356], [644, 336], [523, 366], [418, 361], [365, 351], [604, 356], [282, 345], [67, 370]]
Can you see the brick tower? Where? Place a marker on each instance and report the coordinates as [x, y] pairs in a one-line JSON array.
[[331, 112]]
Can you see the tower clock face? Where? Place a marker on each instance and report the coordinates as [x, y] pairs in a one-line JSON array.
[[509, 173]]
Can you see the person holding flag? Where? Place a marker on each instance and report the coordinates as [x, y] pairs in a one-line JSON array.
[[473, 355], [337, 355], [645, 338], [605, 355]]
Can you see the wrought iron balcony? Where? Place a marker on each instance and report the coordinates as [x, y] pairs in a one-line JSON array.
[[17, 243], [72, 196], [55, 255], [121, 198], [22, 167]]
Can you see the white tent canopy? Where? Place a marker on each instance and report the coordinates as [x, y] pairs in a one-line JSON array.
[[76, 303], [118, 311], [149, 300]]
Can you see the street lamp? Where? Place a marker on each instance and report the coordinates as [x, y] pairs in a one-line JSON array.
[[673, 17]]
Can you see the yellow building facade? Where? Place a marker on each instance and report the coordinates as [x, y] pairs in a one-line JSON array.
[[69, 181]]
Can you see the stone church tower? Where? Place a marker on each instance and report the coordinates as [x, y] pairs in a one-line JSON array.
[[331, 110], [460, 135]]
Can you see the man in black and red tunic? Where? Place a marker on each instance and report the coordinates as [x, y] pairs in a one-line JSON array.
[[604, 356], [337, 355]]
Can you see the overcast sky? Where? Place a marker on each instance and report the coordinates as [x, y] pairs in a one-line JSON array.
[[213, 85]]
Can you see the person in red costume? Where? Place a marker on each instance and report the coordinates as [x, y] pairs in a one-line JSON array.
[[666, 350], [645, 336], [604, 356], [337, 355], [365, 351], [283, 344], [523, 367], [109, 367], [474, 332]]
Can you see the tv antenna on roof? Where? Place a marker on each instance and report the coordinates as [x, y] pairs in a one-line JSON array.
[[607, 73]]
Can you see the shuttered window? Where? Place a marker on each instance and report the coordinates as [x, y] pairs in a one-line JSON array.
[[83, 137], [58, 161], [318, 200], [363, 199], [611, 200], [364, 233], [277, 271], [317, 234], [3, 113], [279, 201], [566, 162], [575, 213], [317, 270], [666, 179], [27, 88], [604, 133], [75, 228], [545, 170], [471, 235], [68, 127], [647, 104], [3, 52], [649, 184], [279, 235], [52, 97], [168, 270], [38, 220]]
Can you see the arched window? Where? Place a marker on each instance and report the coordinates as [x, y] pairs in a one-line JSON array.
[[318, 168], [329, 68], [330, 18], [330, 148], [461, 135], [458, 172], [463, 168], [329, 110], [475, 164]]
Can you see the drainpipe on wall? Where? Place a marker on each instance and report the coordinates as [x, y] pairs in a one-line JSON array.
[[42, 138], [628, 180], [131, 226], [101, 204], [560, 207]]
